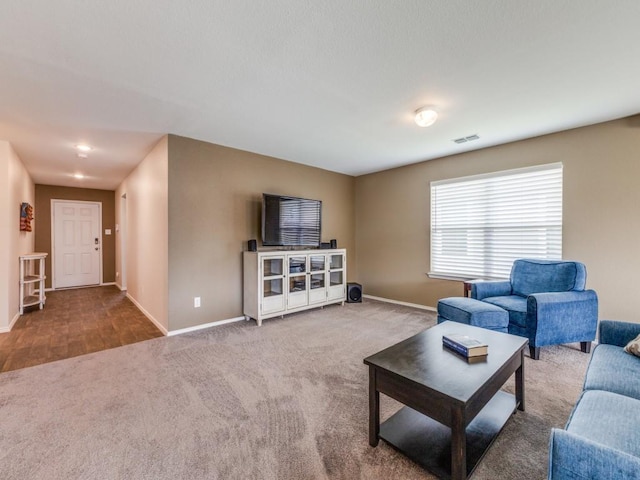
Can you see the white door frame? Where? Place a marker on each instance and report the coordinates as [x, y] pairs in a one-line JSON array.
[[53, 237], [123, 241]]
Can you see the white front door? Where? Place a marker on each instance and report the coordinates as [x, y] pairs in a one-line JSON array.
[[76, 244]]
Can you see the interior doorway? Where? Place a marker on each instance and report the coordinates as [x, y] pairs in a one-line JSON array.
[[76, 243]]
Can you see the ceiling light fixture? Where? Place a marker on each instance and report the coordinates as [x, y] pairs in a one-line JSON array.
[[426, 116], [83, 148], [79, 176]]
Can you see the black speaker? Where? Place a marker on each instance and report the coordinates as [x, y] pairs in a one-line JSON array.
[[334, 243], [354, 293], [252, 245], [325, 245]]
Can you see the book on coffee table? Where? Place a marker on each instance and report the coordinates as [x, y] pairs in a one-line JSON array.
[[465, 345]]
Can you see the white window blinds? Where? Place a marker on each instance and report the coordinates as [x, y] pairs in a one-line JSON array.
[[481, 224]]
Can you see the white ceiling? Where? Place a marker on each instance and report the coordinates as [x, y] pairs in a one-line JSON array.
[[329, 83]]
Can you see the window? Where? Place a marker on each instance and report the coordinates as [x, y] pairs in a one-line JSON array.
[[481, 224]]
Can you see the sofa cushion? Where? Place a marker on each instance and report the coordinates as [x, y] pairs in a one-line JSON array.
[[472, 312], [633, 347], [613, 370], [515, 305], [609, 419], [537, 276]]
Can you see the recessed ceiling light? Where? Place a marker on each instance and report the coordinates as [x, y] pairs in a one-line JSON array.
[[83, 155], [79, 176], [426, 116], [83, 148]]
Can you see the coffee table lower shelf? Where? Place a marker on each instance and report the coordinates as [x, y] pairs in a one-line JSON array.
[[428, 442]]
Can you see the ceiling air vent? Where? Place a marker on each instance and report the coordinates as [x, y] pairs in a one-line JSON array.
[[470, 138]]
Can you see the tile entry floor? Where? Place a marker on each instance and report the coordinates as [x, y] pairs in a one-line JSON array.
[[74, 322]]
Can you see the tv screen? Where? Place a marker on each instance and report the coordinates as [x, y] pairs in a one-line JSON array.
[[290, 221]]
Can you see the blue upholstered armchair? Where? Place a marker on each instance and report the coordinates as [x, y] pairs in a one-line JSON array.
[[547, 303]]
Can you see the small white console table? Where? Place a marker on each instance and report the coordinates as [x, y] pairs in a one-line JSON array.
[[32, 277]]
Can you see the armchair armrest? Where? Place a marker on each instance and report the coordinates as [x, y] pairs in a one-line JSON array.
[[562, 317], [613, 332], [493, 288], [572, 456]]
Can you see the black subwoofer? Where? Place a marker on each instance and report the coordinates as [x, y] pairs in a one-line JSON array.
[[354, 293]]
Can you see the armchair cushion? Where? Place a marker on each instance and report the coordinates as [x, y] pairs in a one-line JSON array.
[[613, 370], [515, 305], [536, 276]]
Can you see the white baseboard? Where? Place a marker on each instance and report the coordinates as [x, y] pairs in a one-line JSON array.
[[107, 284], [148, 315], [397, 302], [205, 325], [120, 287], [11, 324]]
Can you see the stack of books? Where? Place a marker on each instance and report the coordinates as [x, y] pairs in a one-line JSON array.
[[464, 345]]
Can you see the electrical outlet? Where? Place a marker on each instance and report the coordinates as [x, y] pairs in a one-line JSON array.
[[196, 302]]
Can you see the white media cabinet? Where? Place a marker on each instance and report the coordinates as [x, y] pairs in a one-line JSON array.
[[278, 282]]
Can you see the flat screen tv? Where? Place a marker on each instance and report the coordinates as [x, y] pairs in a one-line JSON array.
[[290, 221]]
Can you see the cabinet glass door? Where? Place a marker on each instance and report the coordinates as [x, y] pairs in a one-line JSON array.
[[272, 266], [337, 273], [272, 285], [336, 261], [317, 291], [297, 265], [317, 263], [297, 283], [317, 278], [297, 295], [336, 278]]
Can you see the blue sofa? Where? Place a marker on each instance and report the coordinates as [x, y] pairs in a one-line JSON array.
[[602, 437], [547, 303]]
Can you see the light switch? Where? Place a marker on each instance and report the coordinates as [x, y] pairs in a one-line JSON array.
[[107, 231]]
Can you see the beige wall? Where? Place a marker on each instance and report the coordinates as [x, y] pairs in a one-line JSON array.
[[600, 214], [215, 196], [16, 187], [5, 219], [44, 195], [145, 234]]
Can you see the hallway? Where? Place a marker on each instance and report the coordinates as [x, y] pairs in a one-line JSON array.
[[72, 323]]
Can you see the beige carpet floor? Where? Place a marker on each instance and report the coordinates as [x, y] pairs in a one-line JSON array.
[[284, 401]]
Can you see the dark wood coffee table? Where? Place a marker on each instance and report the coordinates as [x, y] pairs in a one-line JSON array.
[[454, 408]]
